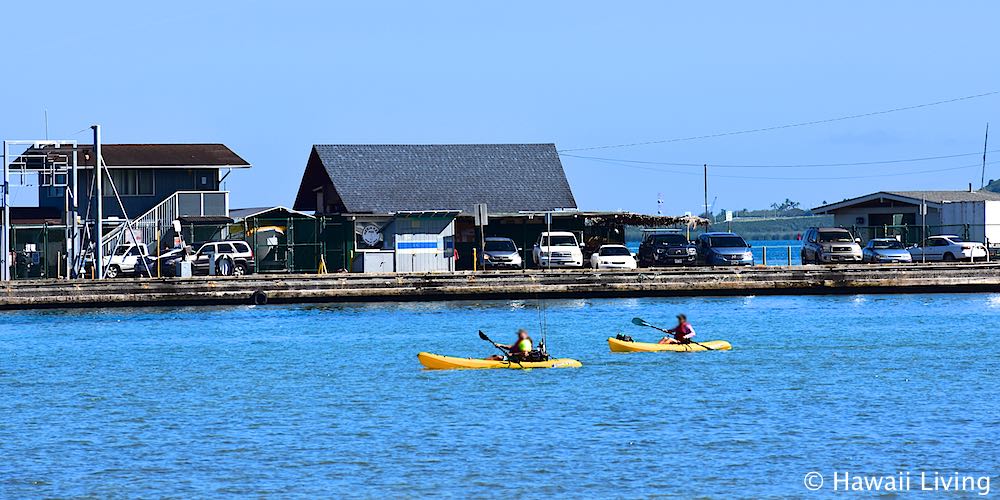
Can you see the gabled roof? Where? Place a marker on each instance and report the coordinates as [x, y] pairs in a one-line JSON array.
[[148, 155], [239, 214], [382, 179], [932, 198]]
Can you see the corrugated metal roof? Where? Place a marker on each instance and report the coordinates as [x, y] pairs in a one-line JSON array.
[[932, 198], [944, 196], [374, 178]]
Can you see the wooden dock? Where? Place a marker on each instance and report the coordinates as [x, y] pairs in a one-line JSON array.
[[842, 279]]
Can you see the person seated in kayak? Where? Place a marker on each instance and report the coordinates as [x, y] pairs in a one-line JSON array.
[[518, 350], [683, 332]]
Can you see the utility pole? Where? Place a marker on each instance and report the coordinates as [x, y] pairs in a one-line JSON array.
[[4, 238], [98, 190], [982, 180], [706, 194]]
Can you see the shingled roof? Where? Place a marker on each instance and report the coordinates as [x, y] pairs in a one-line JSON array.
[[370, 178], [147, 155]]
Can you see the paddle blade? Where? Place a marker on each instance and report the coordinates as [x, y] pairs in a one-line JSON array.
[[483, 336], [639, 321]]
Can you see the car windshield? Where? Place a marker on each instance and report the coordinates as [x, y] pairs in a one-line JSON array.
[[669, 239], [558, 241], [835, 237], [726, 241], [500, 246], [614, 251], [887, 245]]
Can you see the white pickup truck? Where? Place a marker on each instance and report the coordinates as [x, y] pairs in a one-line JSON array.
[[557, 249]]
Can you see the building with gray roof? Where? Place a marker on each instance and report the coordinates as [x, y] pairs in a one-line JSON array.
[[971, 214]]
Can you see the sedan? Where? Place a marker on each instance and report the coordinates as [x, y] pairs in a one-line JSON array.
[[885, 250], [948, 248], [612, 257]]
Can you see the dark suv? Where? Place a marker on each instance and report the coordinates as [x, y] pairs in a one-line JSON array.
[[666, 249]]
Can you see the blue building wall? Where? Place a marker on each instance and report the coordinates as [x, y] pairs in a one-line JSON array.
[[165, 183]]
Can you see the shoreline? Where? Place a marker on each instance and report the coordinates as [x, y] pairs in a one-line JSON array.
[[490, 285]]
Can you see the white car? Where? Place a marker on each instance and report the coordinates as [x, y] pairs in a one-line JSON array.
[[123, 260], [557, 249], [948, 248], [613, 257]]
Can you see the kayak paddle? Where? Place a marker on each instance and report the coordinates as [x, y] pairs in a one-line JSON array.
[[642, 322]]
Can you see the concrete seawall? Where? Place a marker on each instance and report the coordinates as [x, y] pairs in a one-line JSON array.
[[846, 279]]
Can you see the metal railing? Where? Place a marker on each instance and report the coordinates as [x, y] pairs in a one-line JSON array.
[[160, 217]]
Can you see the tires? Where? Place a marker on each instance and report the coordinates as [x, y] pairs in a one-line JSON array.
[[949, 257], [113, 272], [240, 269]]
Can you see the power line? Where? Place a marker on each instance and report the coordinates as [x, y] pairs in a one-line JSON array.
[[844, 177], [800, 165], [790, 125]]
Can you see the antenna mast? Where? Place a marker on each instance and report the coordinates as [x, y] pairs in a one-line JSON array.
[[982, 180]]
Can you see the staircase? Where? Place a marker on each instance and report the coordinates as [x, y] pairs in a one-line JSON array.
[[161, 217]]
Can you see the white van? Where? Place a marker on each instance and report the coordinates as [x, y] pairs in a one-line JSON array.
[[557, 249]]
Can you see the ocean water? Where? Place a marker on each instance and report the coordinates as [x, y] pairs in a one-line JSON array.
[[316, 401]]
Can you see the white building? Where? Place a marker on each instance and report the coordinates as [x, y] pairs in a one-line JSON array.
[[972, 214]]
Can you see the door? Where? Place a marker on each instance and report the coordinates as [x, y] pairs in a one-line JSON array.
[[935, 248], [200, 263]]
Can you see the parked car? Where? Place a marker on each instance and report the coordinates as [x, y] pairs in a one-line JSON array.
[[124, 260], [613, 257], [237, 252], [151, 269], [885, 250], [948, 248], [723, 249], [823, 245], [667, 249], [557, 249], [500, 253]]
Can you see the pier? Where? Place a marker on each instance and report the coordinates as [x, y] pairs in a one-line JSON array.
[[529, 284]]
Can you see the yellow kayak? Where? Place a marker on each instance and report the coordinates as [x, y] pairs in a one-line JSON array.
[[439, 362], [624, 346]]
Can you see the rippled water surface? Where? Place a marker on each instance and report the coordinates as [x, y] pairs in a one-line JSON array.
[[313, 401]]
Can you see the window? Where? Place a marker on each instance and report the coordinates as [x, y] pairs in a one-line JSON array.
[[225, 248], [500, 246], [614, 251], [669, 239], [726, 242], [242, 247], [557, 241], [835, 237], [129, 182]]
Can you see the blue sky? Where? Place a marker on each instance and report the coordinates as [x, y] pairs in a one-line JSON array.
[[271, 78]]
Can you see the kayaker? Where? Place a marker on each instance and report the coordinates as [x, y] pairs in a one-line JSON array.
[[683, 332], [519, 349], [523, 346]]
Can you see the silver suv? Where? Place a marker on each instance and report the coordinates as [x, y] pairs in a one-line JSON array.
[[825, 245]]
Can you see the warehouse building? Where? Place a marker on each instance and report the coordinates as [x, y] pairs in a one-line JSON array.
[[974, 215], [410, 207]]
